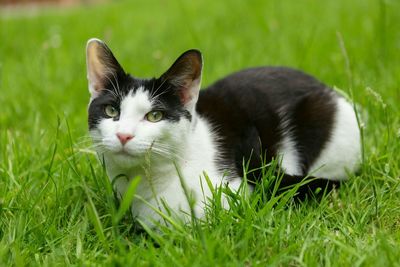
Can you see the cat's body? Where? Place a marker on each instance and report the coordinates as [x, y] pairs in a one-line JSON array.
[[154, 127], [262, 113]]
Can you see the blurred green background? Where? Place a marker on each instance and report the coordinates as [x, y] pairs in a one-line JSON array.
[[42, 49]]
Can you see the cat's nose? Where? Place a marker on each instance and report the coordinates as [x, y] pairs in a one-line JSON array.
[[124, 138]]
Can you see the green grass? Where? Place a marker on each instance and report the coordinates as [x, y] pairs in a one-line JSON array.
[[56, 206]]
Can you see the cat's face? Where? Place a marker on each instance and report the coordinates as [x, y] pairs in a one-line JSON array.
[[130, 117]]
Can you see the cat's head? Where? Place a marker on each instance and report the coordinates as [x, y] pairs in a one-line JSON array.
[[130, 117]]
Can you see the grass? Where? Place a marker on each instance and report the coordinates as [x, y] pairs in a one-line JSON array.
[[56, 205]]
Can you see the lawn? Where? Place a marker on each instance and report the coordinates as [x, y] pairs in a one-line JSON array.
[[56, 205]]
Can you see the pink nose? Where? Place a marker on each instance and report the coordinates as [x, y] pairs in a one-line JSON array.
[[124, 138]]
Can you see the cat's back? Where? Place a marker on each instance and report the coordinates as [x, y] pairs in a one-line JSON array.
[[263, 95], [272, 110], [277, 87]]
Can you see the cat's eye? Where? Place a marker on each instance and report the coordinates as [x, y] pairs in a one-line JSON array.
[[111, 111], [154, 116]]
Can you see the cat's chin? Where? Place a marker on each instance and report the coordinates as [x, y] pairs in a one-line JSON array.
[[123, 158]]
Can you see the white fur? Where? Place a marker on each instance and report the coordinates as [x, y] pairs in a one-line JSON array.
[[342, 153], [289, 156], [290, 162], [151, 154]]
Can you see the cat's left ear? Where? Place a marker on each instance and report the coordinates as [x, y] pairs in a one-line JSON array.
[[185, 76], [102, 67]]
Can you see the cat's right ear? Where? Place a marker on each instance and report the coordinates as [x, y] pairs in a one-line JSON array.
[[185, 75], [102, 67]]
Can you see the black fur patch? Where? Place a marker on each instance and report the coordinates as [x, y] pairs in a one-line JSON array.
[[245, 109]]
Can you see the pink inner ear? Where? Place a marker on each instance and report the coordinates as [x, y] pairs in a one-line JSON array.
[[184, 95]]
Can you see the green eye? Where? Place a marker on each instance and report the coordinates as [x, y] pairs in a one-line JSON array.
[[154, 116], [111, 111]]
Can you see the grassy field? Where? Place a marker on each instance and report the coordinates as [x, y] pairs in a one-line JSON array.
[[56, 206]]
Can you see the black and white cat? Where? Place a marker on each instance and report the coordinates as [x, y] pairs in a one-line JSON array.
[[151, 127]]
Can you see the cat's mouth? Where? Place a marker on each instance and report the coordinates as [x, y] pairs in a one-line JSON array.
[[124, 152]]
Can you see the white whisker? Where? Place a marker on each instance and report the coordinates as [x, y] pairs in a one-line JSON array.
[[154, 94]]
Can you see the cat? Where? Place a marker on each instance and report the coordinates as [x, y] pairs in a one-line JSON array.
[[155, 127]]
